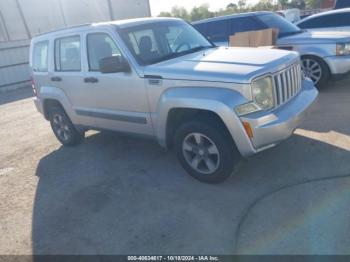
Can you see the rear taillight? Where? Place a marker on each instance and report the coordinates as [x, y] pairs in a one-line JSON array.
[[34, 90]]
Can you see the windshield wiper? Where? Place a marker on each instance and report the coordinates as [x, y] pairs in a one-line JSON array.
[[196, 49]]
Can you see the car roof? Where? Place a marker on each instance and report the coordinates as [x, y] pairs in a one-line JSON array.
[[337, 11], [219, 18], [121, 23]]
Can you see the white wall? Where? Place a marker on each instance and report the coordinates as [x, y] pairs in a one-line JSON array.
[[22, 19]]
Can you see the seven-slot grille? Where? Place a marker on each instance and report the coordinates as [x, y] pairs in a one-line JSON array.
[[287, 83]]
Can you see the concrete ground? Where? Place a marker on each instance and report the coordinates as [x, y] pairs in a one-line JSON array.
[[122, 195]]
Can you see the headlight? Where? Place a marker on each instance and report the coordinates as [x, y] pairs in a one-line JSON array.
[[262, 92], [343, 49]]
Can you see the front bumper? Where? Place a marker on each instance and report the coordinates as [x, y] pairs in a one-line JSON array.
[[269, 128], [338, 65]]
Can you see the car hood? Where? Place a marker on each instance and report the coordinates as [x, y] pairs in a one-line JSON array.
[[224, 64], [315, 37]]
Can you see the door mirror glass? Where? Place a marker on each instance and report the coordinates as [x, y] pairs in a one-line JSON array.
[[114, 64]]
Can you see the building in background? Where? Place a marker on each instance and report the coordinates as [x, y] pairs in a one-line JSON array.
[[20, 20]]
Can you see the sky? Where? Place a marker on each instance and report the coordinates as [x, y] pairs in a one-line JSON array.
[[158, 6]]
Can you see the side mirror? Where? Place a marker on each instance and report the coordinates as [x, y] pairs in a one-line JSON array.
[[113, 64]]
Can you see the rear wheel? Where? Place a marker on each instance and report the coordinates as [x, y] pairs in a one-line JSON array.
[[315, 69], [206, 151], [63, 128]]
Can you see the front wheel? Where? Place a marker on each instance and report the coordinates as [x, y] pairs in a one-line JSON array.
[[315, 69], [206, 153]]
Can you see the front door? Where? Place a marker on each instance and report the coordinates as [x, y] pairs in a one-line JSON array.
[[120, 98]]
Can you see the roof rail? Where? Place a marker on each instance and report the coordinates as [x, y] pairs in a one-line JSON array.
[[64, 28]]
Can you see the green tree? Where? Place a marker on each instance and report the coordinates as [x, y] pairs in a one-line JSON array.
[[263, 5], [165, 14], [180, 12], [242, 4], [231, 6], [313, 3], [201, 12], [283, 3]]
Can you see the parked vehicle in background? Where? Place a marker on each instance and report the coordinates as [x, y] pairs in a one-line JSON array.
[[342, 4], [334, 20], [323, 55], [159, 77], [291, 15]]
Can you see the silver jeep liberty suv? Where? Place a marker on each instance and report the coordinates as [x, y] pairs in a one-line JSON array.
[[160, 78]]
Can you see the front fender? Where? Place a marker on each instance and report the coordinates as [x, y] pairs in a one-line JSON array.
[[315, 50], [54, 93], [217, 100]]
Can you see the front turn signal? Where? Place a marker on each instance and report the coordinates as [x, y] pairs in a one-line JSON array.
[[248, 129]]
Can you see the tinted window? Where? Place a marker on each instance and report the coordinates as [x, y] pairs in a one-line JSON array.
[[218, 31], [284, 27], [333, 20], [40, 54], [342, 4], [243, 24], [100, 45], [202, 28], [67, 54]]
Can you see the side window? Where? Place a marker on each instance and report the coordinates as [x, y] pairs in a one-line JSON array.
[[40, 56], [342, 19], [311, 23], [67, 54], [202, 28], [218, 31], [332, 20], [243, 24], [144, 45], [99, 46]]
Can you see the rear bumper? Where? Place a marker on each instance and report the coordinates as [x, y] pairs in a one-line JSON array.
[[269, 128], [38, 105], [338, 65]]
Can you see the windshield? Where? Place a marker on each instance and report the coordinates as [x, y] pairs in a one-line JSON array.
[[275, 21], [160, 41]]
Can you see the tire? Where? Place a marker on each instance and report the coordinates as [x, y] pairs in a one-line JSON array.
[[202, 136], [316, 69], [63, 128]]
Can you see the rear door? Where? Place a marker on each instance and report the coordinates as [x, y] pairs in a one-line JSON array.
[[68, 75]]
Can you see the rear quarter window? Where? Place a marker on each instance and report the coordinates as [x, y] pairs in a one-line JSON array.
[[40, 56]]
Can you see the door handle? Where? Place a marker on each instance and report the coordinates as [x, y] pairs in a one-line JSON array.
[[56, 78], [90, 80]]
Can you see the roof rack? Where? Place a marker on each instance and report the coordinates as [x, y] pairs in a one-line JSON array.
[[63, 28]]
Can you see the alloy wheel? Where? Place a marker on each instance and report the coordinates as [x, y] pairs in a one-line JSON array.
[[201, 153], [61, 127], [312, 69]]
